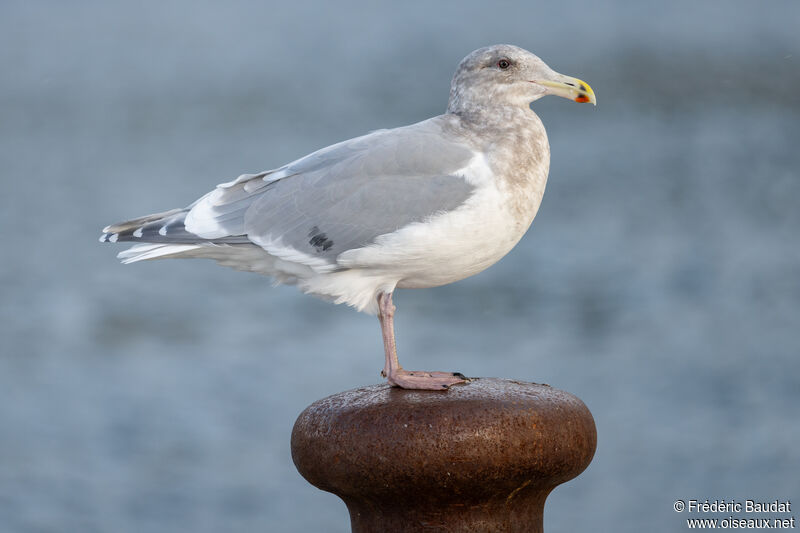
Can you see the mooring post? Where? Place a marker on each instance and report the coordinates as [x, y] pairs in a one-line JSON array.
[[482, 456]]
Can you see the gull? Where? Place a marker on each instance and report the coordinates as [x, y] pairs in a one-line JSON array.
[[411, 207]]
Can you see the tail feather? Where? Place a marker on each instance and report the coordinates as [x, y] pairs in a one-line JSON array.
[[141, 221], [142, 252], [168, 227]]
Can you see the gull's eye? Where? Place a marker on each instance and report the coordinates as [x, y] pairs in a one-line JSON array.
[[503, 64]]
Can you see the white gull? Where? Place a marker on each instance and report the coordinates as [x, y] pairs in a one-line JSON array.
[[411, 207]]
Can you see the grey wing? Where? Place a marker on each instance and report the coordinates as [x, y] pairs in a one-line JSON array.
[[336, 199], [298, 217], [340, 199]]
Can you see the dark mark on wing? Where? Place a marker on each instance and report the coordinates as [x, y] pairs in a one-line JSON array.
[[319, 240]]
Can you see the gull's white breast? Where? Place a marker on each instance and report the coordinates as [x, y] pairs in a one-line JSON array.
[[452, 245]]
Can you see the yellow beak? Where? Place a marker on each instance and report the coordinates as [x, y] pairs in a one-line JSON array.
[[567, 87]]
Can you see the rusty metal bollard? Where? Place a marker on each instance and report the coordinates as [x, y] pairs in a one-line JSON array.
[[479, 457]]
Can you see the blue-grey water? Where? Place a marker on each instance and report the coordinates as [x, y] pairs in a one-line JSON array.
[[660, 281]]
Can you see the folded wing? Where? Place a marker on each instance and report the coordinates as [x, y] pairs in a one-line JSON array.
[[333, 200]]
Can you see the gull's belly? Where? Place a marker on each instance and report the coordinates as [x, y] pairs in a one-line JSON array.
[[448, 247]]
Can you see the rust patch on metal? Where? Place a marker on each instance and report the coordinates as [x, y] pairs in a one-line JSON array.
[[515, 491]]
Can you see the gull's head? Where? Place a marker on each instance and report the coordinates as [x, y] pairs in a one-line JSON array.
[[508, 75]]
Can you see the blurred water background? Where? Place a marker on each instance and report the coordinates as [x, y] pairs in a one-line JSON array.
[[660, 281]]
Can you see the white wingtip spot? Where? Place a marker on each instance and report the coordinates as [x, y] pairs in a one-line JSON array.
[[113, 237], [138, 233], [103, 237], [162, 230]]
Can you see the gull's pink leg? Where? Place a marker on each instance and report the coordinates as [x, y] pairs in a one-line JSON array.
[[392, 371]]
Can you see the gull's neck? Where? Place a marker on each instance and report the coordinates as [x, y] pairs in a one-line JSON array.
[[500, 124], [496, 116]]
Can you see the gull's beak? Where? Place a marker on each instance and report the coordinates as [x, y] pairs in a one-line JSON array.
[[567, 87]]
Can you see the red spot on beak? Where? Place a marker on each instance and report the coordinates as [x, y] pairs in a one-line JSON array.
[[582, 99]]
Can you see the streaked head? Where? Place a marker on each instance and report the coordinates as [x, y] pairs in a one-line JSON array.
[[504, 74]]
